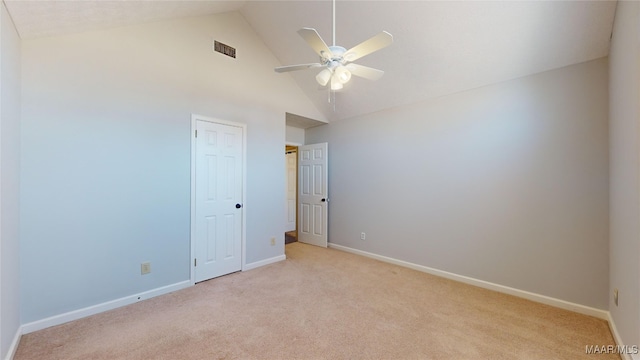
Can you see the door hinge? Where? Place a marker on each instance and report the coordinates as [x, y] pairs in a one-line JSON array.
[[195, 262], [196, 133]]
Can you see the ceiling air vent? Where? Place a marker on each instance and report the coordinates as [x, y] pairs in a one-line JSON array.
[[224, 49]]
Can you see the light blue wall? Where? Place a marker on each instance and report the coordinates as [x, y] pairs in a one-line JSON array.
[[9, 182], [106, 154], [506, 183]]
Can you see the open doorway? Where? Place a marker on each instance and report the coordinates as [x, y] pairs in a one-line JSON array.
[[291, 194], [295, 129]]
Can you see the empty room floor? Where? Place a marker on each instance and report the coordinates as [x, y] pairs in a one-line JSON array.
[[326, 304]]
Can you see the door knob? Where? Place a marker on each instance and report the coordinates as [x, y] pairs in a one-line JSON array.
[[238, 206], [323, 200]]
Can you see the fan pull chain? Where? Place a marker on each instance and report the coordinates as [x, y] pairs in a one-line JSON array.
[[334, 101], [331, 98]]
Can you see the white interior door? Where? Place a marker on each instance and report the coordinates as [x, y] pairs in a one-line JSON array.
[[290, 205], [218, 199], [313, 194]]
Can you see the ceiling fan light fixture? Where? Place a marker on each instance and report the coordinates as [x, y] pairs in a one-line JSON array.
[[335, 83], [343, 74], [323, 77], [336, 60]]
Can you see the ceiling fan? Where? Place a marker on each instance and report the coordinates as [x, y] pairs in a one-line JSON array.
[[336, 60]]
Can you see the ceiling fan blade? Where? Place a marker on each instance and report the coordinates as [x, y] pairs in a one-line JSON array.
[[314, 40], [366, 47], [365, 72], [281, 69]]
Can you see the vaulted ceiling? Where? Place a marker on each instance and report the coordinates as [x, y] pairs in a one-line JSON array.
[[440, 47]]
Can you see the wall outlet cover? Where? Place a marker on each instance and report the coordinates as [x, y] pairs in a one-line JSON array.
[[145, 268]]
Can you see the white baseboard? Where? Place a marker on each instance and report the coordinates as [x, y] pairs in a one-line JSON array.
[[618, 339], [601, 314], [109, 305], [14, 344], [96, 309], [264, 262]]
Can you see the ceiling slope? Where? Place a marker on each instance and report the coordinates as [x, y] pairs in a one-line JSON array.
[[440, 47]]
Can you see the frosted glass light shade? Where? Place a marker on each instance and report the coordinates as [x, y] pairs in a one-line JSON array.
[[343, 74], [323, 77], [335, 83]]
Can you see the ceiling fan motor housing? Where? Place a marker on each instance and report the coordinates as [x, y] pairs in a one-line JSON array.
[[335, 58]]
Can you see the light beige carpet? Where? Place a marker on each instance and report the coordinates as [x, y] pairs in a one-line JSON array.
[[325, 304]]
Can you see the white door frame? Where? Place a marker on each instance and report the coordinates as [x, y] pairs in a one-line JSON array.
[[194, 119], [290, 143]]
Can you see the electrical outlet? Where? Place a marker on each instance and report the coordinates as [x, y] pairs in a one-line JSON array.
[[363, 236], [615, 296], [273, 241], [145, 268]]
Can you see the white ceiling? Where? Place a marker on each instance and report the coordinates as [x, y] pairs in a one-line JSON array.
[[38, 18], [440, 47]]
